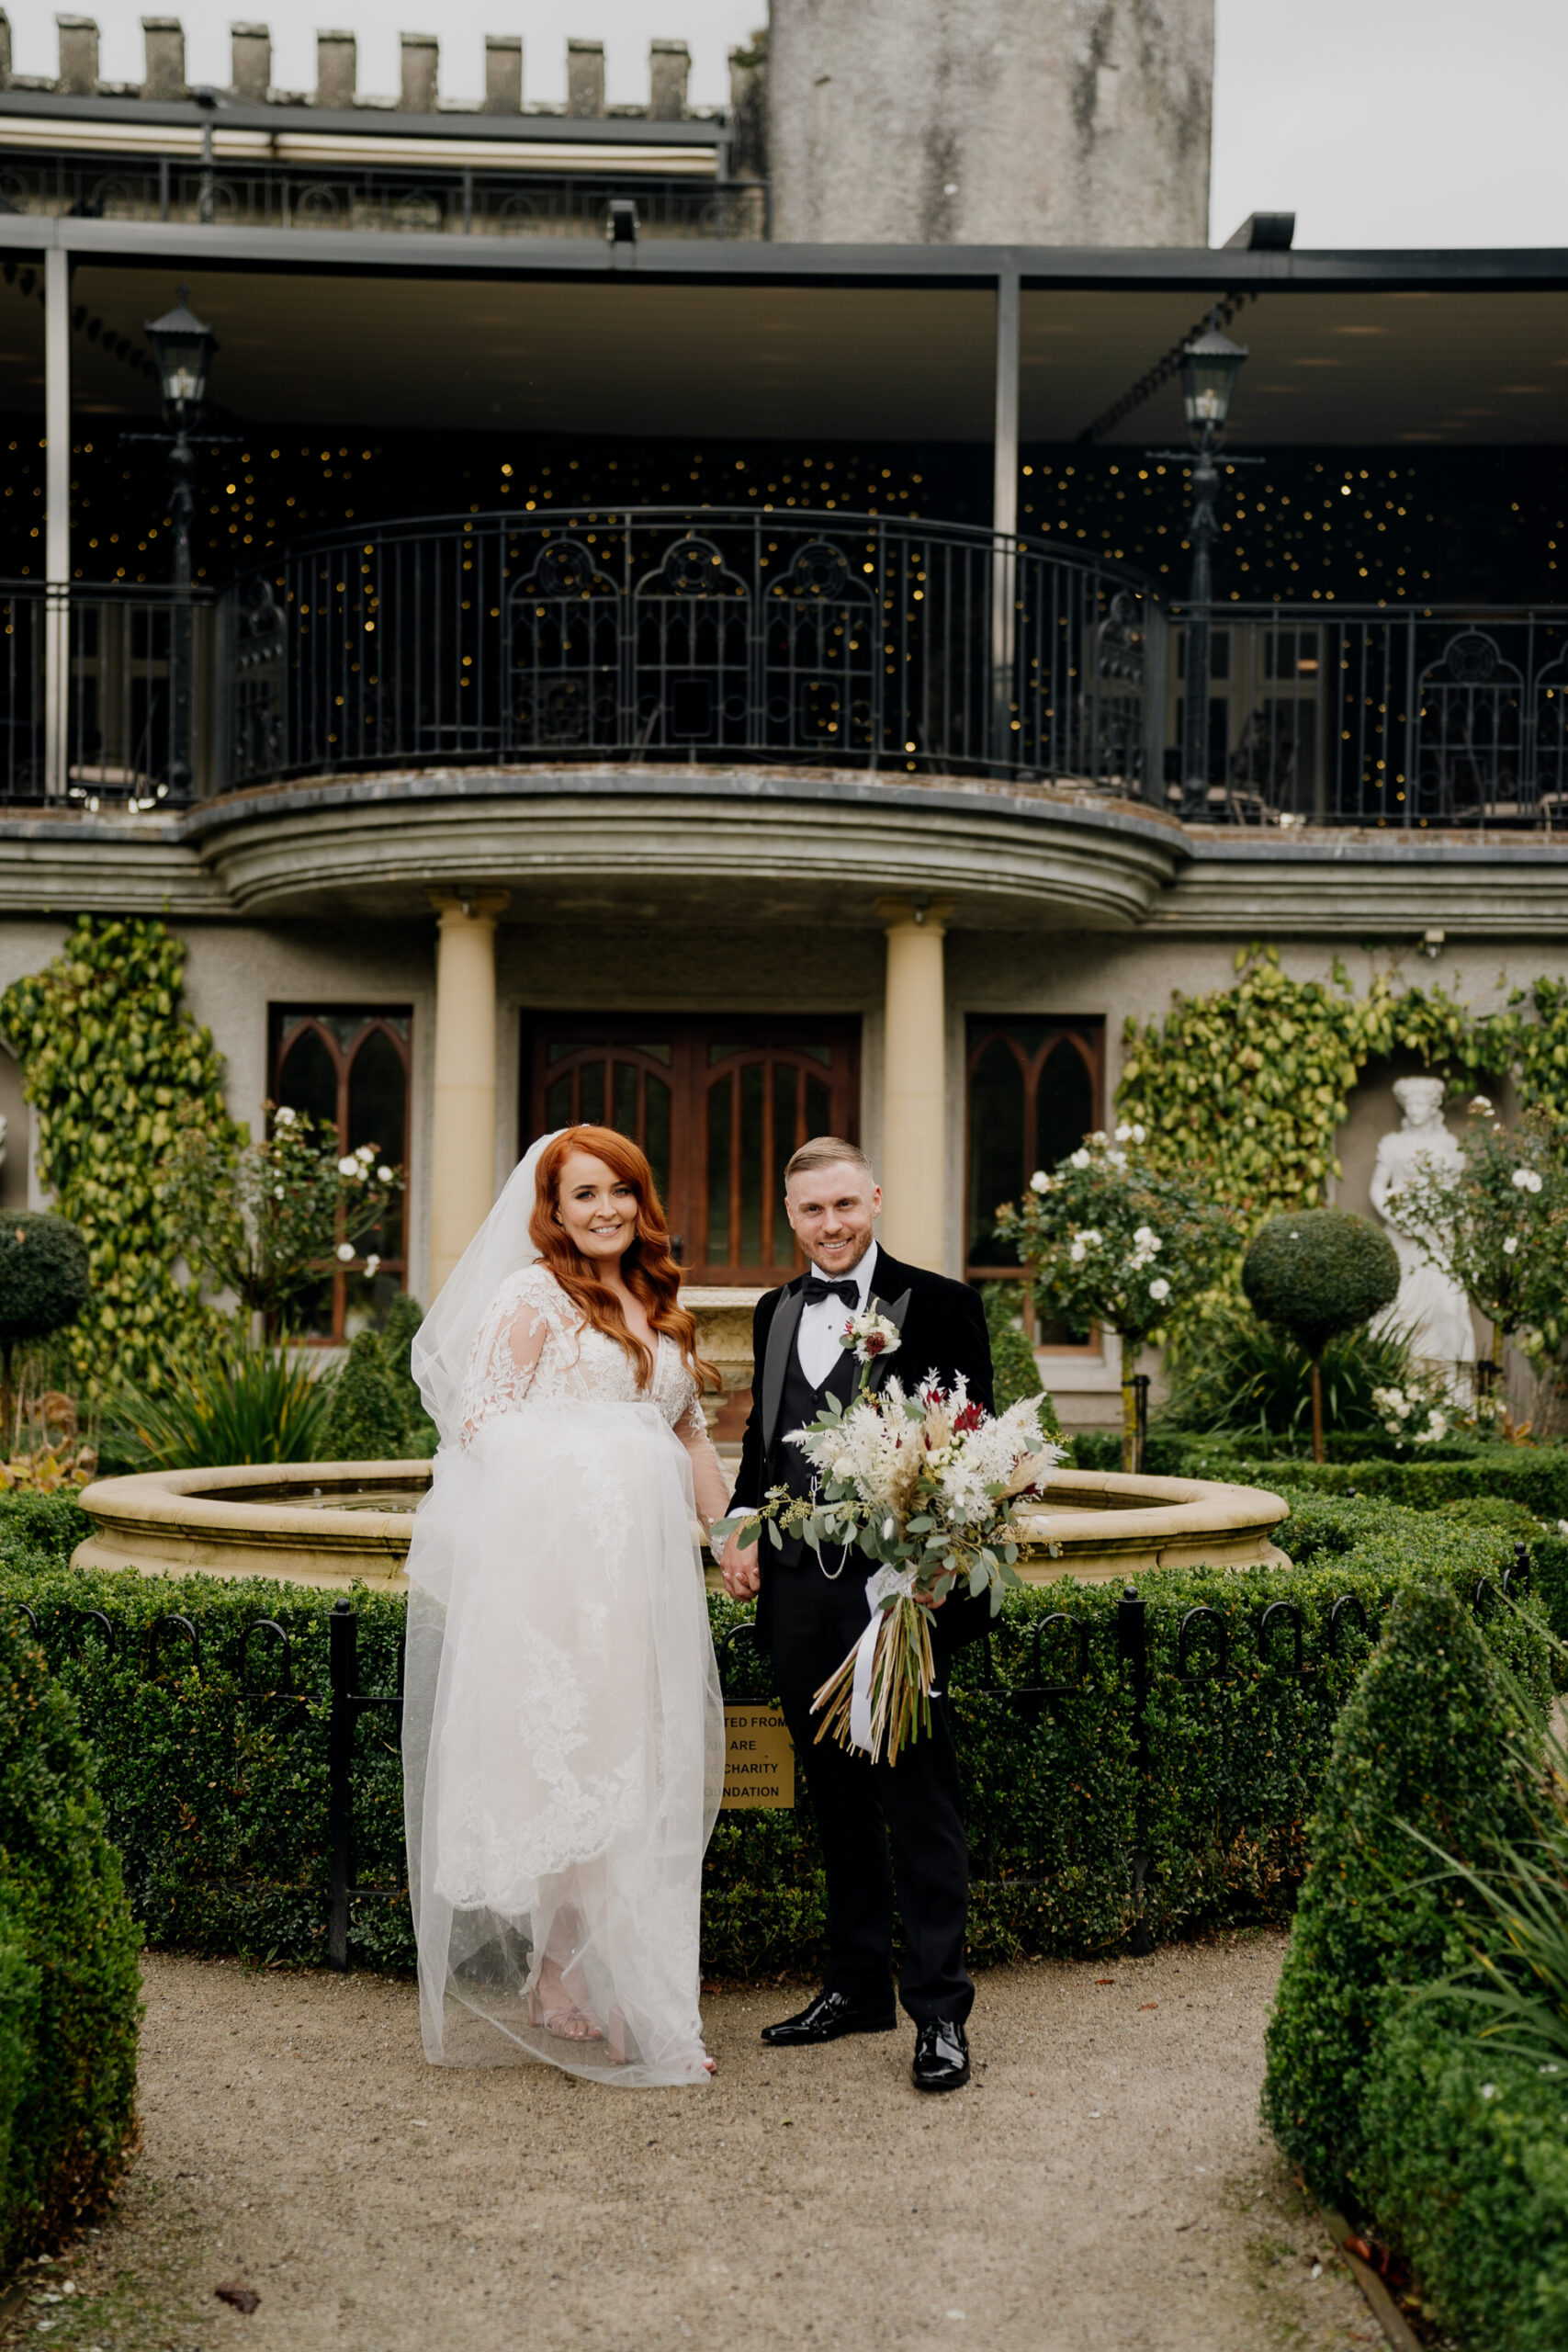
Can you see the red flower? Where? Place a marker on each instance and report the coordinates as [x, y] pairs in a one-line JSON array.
[[874, 1343], [970, 1417]]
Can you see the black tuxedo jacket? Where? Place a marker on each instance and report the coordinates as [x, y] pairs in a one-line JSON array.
[[941, 1329]]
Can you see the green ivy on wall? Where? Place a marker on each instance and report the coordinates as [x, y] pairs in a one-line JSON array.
[[1254, 1080], [110, 1060]]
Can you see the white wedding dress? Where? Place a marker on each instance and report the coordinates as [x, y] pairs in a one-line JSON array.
[[563, 1730]]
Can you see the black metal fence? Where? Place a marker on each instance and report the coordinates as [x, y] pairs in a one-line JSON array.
[[1328, 715], [89, 684], [380, 199], [710, 634]]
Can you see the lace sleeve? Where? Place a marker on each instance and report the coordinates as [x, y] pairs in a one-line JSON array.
[[710, 1486], [523, 1320]]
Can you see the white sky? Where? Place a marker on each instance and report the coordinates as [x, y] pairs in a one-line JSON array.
[[1379, 122]]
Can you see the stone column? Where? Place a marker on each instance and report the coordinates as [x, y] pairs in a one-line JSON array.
[[914, 1091], [462, 1161]]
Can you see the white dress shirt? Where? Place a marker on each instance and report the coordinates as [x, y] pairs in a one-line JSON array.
[[820, 1331]]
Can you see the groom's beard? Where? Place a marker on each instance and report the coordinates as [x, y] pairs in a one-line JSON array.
[[838, 1271]]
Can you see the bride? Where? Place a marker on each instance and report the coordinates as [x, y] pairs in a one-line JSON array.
[[563, 1736]]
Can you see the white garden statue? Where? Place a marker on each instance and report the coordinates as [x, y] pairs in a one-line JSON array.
[[1431, 1308]]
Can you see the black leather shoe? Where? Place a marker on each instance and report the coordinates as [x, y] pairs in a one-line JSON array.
[[825, 2019], [941, 2056]]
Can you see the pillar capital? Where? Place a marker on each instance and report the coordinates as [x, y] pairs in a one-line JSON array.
[[470, 906], [916, 913]]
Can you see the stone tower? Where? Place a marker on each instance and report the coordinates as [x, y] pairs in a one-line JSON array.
[[1050, 122]]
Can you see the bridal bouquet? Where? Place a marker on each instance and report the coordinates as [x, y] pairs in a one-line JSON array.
[[926, 1485]]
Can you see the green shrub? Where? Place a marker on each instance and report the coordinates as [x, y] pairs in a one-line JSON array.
[[403, 1318], [1013, 1361], [219, 1801], [1243, 1376], [1423, 1741], [1466, 2169], [44, 1285], [365, 1422], [1315, 1272], [231, 1403], [68, 1973]]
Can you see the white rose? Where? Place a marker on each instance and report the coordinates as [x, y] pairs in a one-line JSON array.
[[1481, 1104], [1140, 1133], [383, 1175], [365, 1151], [346, 1251], [1510, 1246], [1078, 1160], [372, 1263], [348, 1167], [1123, 1134], [278, 1191], [283, 1117], [1527, 1179], [1040, 1181], [1159, 1287], [1077, 1253]]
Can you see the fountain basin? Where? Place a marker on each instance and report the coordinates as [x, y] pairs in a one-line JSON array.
[[331, 1524]]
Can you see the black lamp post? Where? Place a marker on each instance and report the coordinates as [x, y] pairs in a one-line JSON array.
[[183, 347], [1210, 365]]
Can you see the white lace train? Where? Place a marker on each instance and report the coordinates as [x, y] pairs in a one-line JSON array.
[[563, 1740]]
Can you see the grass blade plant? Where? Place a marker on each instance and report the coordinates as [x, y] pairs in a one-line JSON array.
[[1248, 1377], [231, 1404]]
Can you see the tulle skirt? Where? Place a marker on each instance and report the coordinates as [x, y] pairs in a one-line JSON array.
[[563, 1744]]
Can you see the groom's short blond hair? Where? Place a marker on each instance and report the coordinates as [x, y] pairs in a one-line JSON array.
[[825, 1151]]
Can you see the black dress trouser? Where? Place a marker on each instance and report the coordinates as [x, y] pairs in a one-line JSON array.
[[811, 1623]]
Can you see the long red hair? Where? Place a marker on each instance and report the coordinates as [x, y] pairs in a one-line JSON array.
[[647, 1269]]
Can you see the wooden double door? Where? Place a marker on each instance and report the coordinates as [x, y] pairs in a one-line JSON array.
[[719, 1105]]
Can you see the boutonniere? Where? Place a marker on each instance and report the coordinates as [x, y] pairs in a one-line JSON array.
[[870, 1336]]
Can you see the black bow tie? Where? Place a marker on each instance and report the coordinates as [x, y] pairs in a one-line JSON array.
[[817, 1292]]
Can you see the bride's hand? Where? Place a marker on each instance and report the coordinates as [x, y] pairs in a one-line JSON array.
[[738, 1569]]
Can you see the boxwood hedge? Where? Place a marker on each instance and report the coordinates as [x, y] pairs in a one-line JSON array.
[[68, 1973], [215, 1786]]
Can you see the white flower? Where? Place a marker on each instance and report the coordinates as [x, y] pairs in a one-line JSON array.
[[348, 1167], [278, 1191], [346, 1251], [1124, 1133], [1140, 1133], [1527, 1179], [283, 1117], [1481, 1106], [372, 1263], [367, 1151], [1078, 1160], [1147, 1237], [1040, 1181], [1077, 1253], [1159, 1287], [383, 1175], [1510, 1245], [1488, 2091]]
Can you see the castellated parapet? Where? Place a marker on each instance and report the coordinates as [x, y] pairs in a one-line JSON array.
[[1057, 122]]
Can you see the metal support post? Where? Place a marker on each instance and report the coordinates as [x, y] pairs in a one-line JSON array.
[[182, 513], [1004, 521], [57, 521], [343, 1643], [1132, 1650]]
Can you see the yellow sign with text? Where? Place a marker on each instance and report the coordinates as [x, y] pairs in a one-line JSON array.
[[759, 1760]]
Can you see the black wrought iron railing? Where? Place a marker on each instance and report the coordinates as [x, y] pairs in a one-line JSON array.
[[1326, 714], [711, 634], [459, 200], [90, 694], [729, 636]]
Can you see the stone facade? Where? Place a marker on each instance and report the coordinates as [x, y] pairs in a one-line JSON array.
[[1050, 122]]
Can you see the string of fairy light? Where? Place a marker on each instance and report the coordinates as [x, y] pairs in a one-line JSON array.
[[1440, 525]]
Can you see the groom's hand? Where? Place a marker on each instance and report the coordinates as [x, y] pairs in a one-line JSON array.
[[738, 1569]]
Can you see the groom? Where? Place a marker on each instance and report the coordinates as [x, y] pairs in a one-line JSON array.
[[811, 1613]]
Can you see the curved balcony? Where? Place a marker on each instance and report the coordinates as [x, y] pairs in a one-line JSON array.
[[710, 635]]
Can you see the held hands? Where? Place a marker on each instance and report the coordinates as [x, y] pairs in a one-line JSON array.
[[737, 1567]]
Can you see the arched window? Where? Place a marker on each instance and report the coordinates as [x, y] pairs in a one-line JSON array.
[[349, 1070], [1035, 1092]]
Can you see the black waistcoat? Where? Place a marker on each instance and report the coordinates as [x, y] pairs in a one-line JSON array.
[[800, 1405]]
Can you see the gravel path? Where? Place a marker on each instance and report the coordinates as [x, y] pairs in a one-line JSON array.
[[1104, 2184]]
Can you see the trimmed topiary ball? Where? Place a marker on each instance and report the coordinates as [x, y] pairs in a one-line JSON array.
[[1318, 1272], [44, 1285]]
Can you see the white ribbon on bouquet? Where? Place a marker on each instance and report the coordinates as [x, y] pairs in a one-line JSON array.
[[901, 1583]]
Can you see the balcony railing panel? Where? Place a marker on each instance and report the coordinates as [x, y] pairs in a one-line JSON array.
[[108, 664], [453, 202], [1453, 717], [711, 635]]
